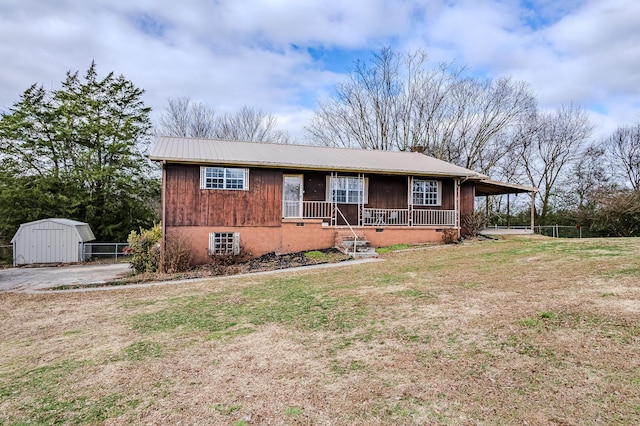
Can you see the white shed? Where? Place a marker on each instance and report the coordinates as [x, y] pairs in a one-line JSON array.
[[50, 241]]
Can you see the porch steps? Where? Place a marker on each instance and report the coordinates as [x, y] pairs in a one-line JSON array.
[[345, 242]]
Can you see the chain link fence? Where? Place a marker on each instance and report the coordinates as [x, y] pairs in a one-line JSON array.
[[560, 231], [556, 231], [118, 252], [114, 252]]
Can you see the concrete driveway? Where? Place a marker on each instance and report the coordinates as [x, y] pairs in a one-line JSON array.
[[25, 280]]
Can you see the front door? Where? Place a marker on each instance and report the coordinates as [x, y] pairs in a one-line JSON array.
[[292, 196]]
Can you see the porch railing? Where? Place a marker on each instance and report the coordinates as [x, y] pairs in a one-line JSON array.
[[316, 209], [382, 217], [375, 217], [434, 217], [310, 209], [291, 209]]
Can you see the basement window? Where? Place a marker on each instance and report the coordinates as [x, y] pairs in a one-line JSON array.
[[222, 243], [224, 178]]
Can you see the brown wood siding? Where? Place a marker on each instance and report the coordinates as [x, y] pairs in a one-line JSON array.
[[315, 186], [188, 205], [350, 211], [387, 192], [447, 197], [467, 198]]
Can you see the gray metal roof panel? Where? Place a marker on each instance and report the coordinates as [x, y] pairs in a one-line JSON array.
[[215, 151], [82, 228]]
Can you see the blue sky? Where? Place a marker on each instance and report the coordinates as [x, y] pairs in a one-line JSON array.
[[284, 56]]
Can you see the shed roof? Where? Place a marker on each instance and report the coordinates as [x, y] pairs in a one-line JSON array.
[[82, 229], [302, 157], [492, 187]]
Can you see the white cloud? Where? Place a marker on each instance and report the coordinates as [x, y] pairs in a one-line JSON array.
[[229, 53]]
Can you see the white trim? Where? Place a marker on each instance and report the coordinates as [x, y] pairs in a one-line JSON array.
[[245, 178], [285, 208], [438, 193], [331, 179], [235, 242]]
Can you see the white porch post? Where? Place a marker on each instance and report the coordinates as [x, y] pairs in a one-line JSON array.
[[533, 211], [410, 199], [361, 199], [456, 202], [334, 205]]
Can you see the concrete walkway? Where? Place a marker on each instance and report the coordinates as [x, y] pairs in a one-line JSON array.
[[502, 231]]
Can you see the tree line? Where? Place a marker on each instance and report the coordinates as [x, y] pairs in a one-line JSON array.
[[80, 151], [398, 101]]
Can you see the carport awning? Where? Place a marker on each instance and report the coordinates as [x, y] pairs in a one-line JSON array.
[[492, 187]]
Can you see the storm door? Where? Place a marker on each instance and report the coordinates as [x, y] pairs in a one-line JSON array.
[[292, 196]]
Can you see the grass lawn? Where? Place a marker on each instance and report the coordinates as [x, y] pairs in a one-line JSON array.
[[524, 330]]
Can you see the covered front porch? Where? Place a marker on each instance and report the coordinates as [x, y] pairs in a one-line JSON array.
[[378, 201], [333, 214]]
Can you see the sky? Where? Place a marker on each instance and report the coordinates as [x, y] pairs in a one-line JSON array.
[[285, 56]]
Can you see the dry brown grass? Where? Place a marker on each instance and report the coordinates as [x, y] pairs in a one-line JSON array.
[[517, 331]]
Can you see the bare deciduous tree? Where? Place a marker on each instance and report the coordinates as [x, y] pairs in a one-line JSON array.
[[196, 119], [588, 178], [249, 124], [623, 147], [188, 119], [551, 142], [395, 103]]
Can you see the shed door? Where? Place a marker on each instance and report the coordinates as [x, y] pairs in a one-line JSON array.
[[292, 196], [50, 246]]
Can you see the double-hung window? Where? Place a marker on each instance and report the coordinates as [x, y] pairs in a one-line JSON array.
[[347, 190], [224, 178], [426, 192]]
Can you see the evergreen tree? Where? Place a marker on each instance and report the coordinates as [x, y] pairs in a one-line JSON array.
[[78, 152]]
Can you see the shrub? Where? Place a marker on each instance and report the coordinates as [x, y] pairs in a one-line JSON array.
[[145, 249], [225, 264], [177, 255], [449, 236], [473, 223]]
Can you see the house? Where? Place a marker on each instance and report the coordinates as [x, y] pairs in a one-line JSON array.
[[50, 241], [222, 195]]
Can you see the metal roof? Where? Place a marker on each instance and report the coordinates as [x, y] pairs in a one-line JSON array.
[[492, 187], [302, 157], [82, 229]]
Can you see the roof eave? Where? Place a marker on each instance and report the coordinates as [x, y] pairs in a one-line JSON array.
[[296, 166], [492, 187]]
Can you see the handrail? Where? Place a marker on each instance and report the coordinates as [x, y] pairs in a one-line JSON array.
[[355, 236]]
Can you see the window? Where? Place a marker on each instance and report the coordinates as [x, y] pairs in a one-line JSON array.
[[221, 243], [426, 192], [347, 190], [224, 178]]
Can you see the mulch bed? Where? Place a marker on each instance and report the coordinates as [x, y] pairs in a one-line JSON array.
[[266, 262]]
